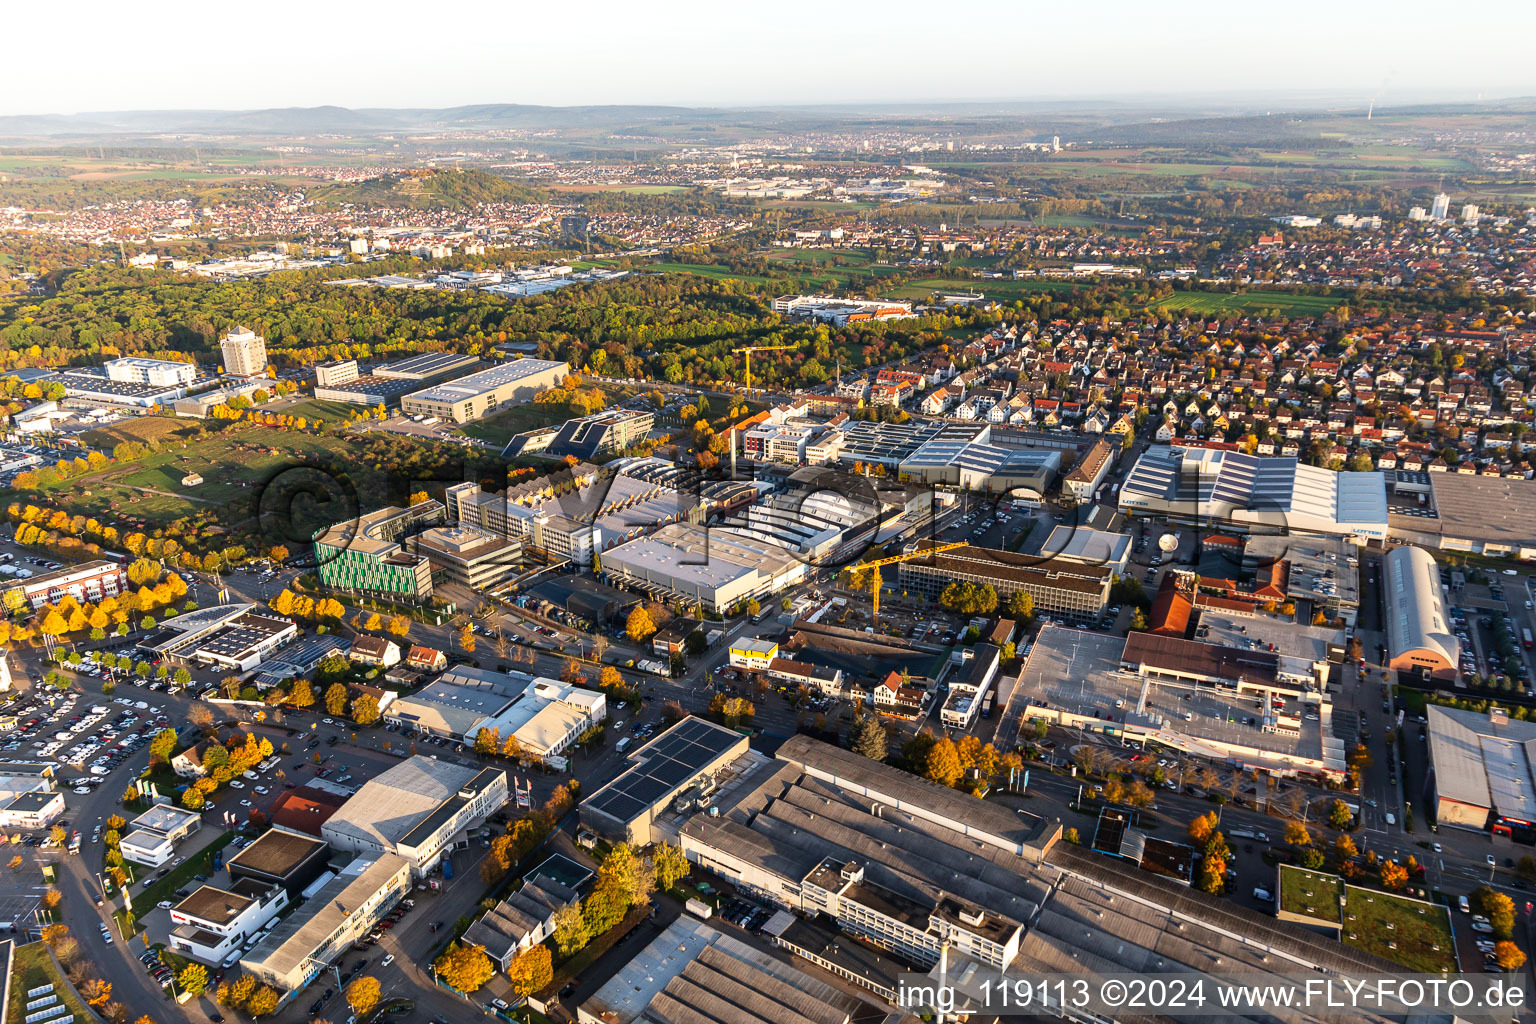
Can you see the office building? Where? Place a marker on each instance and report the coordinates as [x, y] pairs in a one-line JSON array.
[[1065, 588], [1483, 775], [1420, 639], [87, 582], [342, 371], [604, 433], [416, 811], [35, 809], [968, 687], [212, 924], [342, 911], [157, 372], [245, 352], [469, 554], [686, 759], [479, 394], [367, 554], [152, 837], [1084, 479]]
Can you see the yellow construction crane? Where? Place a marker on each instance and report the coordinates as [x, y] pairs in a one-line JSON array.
[[873, 567], [758, 348]]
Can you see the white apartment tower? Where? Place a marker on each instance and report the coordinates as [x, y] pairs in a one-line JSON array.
[[1441, 207], [245, 352], [1470, 214]]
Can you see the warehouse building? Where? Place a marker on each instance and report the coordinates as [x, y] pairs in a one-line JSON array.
[[1235, 491], [234, 637], [100, 389], [717, 569], [469, 398], [1420, 640], [388, 383], [1483, 773], [1489, 515], [416, 810], [693, 973], [1073, 590], [687, 757], [1233, 705], [545, 715]]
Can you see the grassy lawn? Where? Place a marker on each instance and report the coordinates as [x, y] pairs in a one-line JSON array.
[[181, 874], [1313, 894], [921, 290], [320, 409], [33, 968], [1376, 922], [232, 466], [1207, 303]]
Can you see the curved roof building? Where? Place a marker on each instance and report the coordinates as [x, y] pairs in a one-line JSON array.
[[1419, 635]]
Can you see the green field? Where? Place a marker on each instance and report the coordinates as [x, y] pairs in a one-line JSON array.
[[1216, 303], [1411, 932], [318, 409], [1000, 289], [1313, 894], [234, 467]]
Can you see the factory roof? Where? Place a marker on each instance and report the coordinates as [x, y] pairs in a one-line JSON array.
[[487, 380]]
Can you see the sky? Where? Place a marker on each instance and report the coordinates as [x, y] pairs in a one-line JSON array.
[[177, 54]]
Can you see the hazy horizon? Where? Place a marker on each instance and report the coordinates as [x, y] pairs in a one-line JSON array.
[[692, 54]]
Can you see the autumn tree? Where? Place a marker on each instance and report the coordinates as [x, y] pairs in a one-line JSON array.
[[193, 978], [363, 994], [1508, 955], [531, 970], [465, 968], [302, 695], [336, 699], [943, 765], [263, 1001], [570, 929], [670, 864], [1297, 835], [639, 627], [97, 992], [365, 710], [1201, 829], [487, 742], [1393, 875]]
